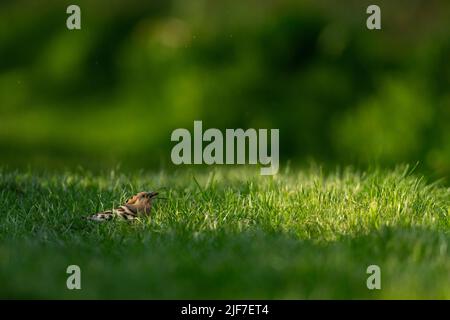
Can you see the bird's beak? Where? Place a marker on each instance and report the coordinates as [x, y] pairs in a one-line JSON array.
[[152, 194]]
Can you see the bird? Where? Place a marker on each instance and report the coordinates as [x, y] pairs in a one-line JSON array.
[[138, 205]]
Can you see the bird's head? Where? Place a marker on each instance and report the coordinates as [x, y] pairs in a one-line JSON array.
[[142, 198]]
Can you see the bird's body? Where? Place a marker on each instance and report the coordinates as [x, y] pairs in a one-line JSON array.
[[138, 205]]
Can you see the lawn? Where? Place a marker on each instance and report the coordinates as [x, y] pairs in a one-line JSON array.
[[226, 234]]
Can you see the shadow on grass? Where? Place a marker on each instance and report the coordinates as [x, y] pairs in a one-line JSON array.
[[414, 264]]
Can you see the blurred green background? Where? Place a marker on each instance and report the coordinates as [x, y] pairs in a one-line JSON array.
[[113, 92]]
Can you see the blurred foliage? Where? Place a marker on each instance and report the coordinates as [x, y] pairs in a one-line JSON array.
[[114, 91]]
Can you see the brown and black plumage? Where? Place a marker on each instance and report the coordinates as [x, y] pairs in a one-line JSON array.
[[138, 205]]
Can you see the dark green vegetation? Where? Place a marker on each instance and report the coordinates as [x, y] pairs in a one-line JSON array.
[[227, 234], [114, 91]]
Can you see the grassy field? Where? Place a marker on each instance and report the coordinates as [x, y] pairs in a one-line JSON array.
[[226, 234]]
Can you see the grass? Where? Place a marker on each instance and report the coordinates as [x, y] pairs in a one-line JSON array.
[[226, 234]]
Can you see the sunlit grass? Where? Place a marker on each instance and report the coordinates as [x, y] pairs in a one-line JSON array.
[[226, 234]]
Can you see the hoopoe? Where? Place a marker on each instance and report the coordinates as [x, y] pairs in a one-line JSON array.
[[139, 204]]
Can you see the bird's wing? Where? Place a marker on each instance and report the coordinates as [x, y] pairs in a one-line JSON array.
[[127, 212]]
